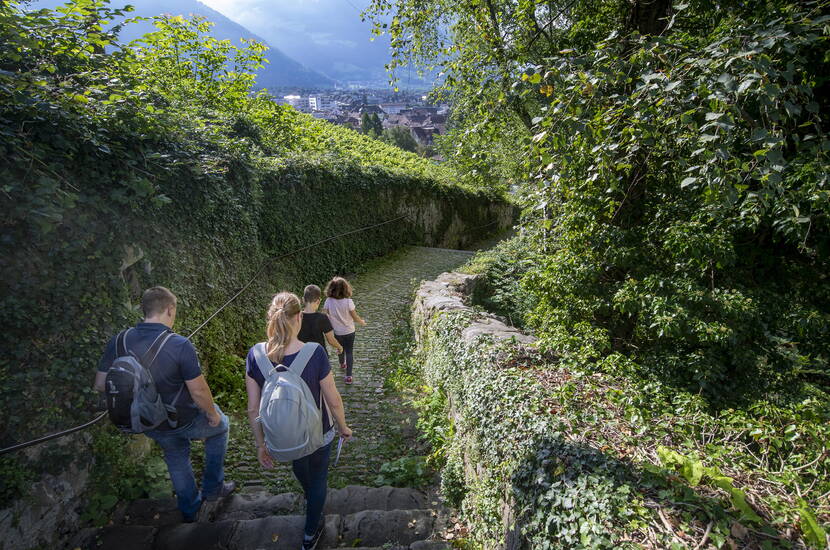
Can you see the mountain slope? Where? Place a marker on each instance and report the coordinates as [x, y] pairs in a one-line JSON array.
[[281, 71]]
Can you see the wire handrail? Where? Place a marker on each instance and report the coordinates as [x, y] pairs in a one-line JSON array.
[[245, 287]]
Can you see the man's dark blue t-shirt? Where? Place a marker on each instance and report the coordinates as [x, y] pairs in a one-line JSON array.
[[175, 364], [315, 370]]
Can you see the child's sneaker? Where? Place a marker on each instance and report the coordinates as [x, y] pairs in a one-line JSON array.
[[348, 380], [342, 365]]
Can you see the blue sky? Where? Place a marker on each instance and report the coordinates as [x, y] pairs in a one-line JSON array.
[[326, 35]]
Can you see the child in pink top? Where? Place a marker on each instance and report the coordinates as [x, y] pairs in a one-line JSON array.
[[341, 311]]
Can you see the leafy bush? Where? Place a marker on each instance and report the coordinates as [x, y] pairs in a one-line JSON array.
[[687, 206], [122, 475], [589, 460], [15, 477], [407, 471], [499, 288], [227, 382]]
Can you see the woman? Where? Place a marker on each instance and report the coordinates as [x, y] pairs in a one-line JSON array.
[[282, 347]]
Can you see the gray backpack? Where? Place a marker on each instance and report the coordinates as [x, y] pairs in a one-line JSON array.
[[291, 420], [133, 402]]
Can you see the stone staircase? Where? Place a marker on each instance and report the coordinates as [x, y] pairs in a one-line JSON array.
[[367, 518]]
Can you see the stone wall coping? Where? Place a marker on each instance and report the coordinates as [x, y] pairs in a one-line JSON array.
[[452, 291]]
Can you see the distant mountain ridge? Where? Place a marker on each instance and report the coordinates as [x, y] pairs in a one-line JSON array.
[[282, 70]]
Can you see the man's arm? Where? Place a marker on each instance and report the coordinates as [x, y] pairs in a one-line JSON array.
[[196, 384], [200, 392], [104, 365], [100, 381]]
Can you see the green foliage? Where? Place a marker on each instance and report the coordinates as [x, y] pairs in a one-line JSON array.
[[370, 125], [227, 382], [434, 423], [591, 457], [121, 474], [128, 166], [15, 478], [401, 137], [498, 288], [813, 532], [677, 161], [407, 471], [683, 182], [694, 472]]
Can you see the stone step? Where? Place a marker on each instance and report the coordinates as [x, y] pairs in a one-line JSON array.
[[377, 527], [430, 545], [355, 498], [260, 504], [120, 537], [245, 506], [407, 529]]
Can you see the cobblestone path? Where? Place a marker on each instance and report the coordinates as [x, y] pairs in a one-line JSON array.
[[383, 425]]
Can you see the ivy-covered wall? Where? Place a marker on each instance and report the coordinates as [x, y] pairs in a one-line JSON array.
[[541, 453], [67, 290]]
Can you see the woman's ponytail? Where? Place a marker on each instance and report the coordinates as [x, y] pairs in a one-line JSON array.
[[284, 307]]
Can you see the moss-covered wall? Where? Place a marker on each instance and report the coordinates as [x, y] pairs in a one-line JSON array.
[[66, 291]]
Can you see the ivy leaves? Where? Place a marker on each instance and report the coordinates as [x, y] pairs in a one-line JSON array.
[[669, 172]]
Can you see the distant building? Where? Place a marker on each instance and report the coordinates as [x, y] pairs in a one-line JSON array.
[[298, 102], [320, 103], [371, 109], [423, 135], [439, 122], [393, 108], [324, 115]]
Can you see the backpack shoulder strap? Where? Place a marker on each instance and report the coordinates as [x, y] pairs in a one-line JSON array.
[[121, 343], [155, 348], [262, 361], [299, 364]]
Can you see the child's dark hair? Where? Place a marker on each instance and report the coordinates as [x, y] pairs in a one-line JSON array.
[[311, 294], [339, 288]]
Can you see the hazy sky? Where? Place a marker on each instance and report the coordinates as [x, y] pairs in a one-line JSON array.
[[327, 35]]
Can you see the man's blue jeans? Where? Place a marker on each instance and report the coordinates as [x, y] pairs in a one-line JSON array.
[[312, 472], [176, 447]]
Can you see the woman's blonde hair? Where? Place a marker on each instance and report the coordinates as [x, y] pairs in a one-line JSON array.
[[284, 307]]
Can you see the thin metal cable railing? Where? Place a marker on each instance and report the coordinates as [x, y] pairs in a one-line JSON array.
[[263, 266], [245, 287]]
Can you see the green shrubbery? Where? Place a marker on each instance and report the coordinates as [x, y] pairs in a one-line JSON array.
[[575, 459], [149, 164], [686, 192], [499, 289]]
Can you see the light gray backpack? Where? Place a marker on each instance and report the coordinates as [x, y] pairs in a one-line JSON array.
[[291, 420]]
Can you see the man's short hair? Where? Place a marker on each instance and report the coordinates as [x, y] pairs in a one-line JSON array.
[[156, 300], [311, 294]]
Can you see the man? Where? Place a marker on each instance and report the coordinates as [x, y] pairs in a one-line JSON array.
[[177, 372]]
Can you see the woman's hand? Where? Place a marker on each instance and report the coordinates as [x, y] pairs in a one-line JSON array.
[[346, 433], [264, 458]]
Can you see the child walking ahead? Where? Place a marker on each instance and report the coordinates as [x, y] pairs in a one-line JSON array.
[[342, 314], [316, 327]]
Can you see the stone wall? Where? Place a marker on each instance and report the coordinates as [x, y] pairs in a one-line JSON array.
[[460, 346]]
